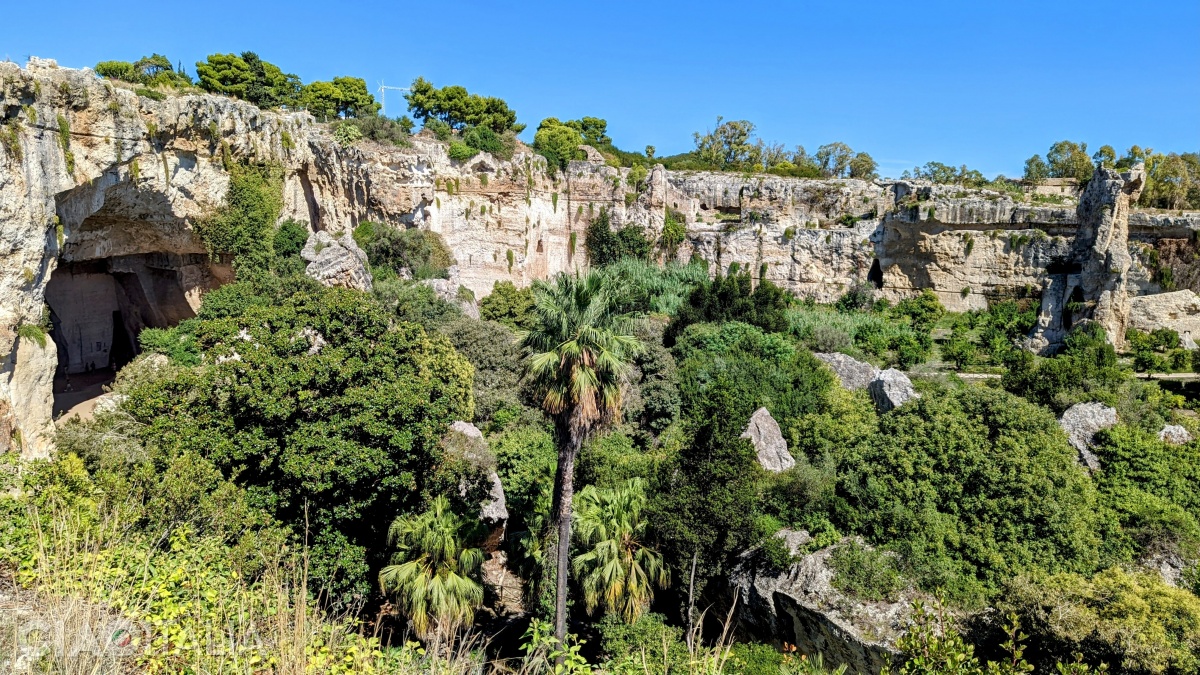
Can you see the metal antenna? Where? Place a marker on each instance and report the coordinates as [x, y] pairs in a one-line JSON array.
[[383, 96]]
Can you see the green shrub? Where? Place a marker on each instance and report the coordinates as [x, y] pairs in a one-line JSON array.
[[244, 224], [347, 134], [461, 152], [732, 298], [865, 573], [508, 305], [1132, 621], [605, 246], [330, 464], [391, 249], [151, 94]]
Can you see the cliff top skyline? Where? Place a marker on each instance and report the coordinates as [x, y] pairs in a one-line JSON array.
[[931, 81]]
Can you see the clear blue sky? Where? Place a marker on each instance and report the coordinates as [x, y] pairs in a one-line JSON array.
[[981, 83]]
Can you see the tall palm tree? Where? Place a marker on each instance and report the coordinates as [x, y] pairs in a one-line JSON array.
[[618, 571], [577, 357], [434, 574]]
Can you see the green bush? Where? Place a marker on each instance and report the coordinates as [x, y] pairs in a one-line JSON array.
[[865, 573], [391, 249], [649, 646], [493, 351], [313, 434], [971, 487], [461, 152], [508, 305], [1132, 621], [732, 298], [606, 246], [244, 224]]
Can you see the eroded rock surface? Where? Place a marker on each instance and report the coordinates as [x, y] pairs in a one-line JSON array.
[[120, 199], [852, 373], [763, 432], [1081, 422], [337, 261], [801, 606], [891, 389]]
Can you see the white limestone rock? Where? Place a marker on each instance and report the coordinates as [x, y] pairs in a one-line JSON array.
[[801, 606], [763, 432], [852, 373], [336, 261], [493, 509], [1178, 310], [1174, 434], [1081, 422], [891, 389]]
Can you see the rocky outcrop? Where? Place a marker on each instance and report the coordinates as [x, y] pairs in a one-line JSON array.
[[1081, 422], [100, 190], [1178, 310], [474, 449], [801, 606], [1175, 434], [337, 261], [852, 373], [891, 389], [763, 432]]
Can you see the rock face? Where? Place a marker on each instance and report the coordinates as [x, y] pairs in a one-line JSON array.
[[763, 432], [891, 389], [337, 261], [492, 510], [1178, 310], [852, 373], [1175, 435], [801, 606], [1081, 422], [100, 188]]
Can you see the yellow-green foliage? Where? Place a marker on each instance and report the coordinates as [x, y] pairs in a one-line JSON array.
[[285, 139], [193, 610], [59, 234], [1132, 620], [509, 255], [27, 274], [135, 171], [151, 130], [10, 139]]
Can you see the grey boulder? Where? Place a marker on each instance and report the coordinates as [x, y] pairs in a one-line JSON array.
[[336, 262], [854, 374], [891, 389], [1081, 422], [474, 449], [1175, 435], [763, 432]]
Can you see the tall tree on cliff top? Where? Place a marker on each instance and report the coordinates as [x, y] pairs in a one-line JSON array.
[[578, 357]]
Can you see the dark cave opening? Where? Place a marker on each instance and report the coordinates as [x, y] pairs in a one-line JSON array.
[[875, 276], [97, 310]]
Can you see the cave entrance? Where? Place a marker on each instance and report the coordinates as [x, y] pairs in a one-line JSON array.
[[875, 276], [1073, 308], [97, 310]]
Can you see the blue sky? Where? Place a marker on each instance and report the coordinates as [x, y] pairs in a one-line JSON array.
[[981, 83]]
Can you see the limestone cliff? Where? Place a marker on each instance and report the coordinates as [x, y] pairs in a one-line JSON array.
[[100, 188]]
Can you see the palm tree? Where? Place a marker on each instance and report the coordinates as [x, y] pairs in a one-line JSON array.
[[577, 357], [434, 572], [618, 571]]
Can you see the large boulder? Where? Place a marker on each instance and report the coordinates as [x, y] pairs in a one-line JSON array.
[[801, 606], [1081, 422], [854, 374], [1178, 310], [1175, 435], [763, 432], [474, 448], [891, 389], [336, 262]]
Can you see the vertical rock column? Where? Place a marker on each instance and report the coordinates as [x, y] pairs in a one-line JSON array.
[[1102, 246]]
